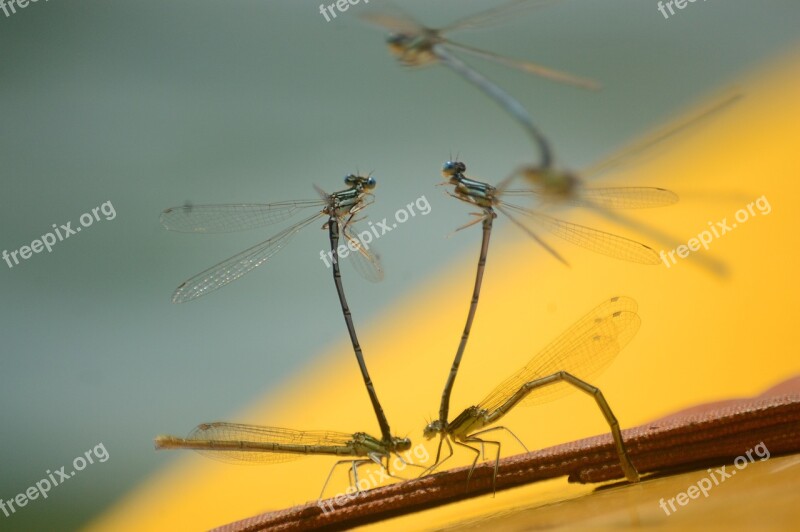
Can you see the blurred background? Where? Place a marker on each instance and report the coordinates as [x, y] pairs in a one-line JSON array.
[[154, 104]]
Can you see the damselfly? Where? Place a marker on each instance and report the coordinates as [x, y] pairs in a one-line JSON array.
[[340, 208], [488, 198], [583, 351], [415, 45], [553, 186], [256, 444]]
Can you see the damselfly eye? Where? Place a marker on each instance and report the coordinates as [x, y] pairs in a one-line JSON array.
[[451, 168], [370, 183], [397, 39], [350, 179]]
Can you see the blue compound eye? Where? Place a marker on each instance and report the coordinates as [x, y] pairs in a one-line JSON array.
[[451, 168], [370, 182]]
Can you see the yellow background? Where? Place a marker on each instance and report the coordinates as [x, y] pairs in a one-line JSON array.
[[702, 338]]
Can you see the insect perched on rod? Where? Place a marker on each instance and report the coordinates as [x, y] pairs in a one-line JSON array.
[[488, 198], [581, 352], [340, 208], [253, 444]]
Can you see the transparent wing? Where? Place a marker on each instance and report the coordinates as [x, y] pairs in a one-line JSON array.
[[534, 236], [495, 15], [585, 349], [528, 67], [236, 266], [229, 218], [218, 440], [394, 20], [593, 239], [628, 197], [612, 197], [364, 260], [645, 145], [706, 261]]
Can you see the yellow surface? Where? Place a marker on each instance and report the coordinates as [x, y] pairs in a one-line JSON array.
[[703, 338], [760, 496]]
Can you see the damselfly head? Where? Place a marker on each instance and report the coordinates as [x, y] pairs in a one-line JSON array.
[[453, 168], [367, 183], [401, 444], [432, 429], [413, 50], [399, 43]]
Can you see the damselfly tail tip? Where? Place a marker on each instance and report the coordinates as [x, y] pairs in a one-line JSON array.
[[165, 442], [593, 85], [177, 297]]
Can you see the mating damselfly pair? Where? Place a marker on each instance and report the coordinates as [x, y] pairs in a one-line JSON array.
[[576, 356], [252, 443]]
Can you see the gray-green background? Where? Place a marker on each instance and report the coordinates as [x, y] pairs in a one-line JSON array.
[[152, 104]]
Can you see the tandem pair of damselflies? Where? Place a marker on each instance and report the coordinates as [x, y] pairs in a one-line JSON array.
[[251, 443], [550, 185], [490, 199]]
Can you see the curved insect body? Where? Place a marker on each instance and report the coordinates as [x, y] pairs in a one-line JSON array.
[[581, 352], [415, 45], [489, 198], [340, 208]]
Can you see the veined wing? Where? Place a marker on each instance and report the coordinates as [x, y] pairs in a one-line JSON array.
[[527, 66], [628, 197], [252, 443], [644, 146], [232, 217], [238, 265], [585, 349], [364, 260], [593, 239], [394, 20], [494, 15], [611, 197]]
